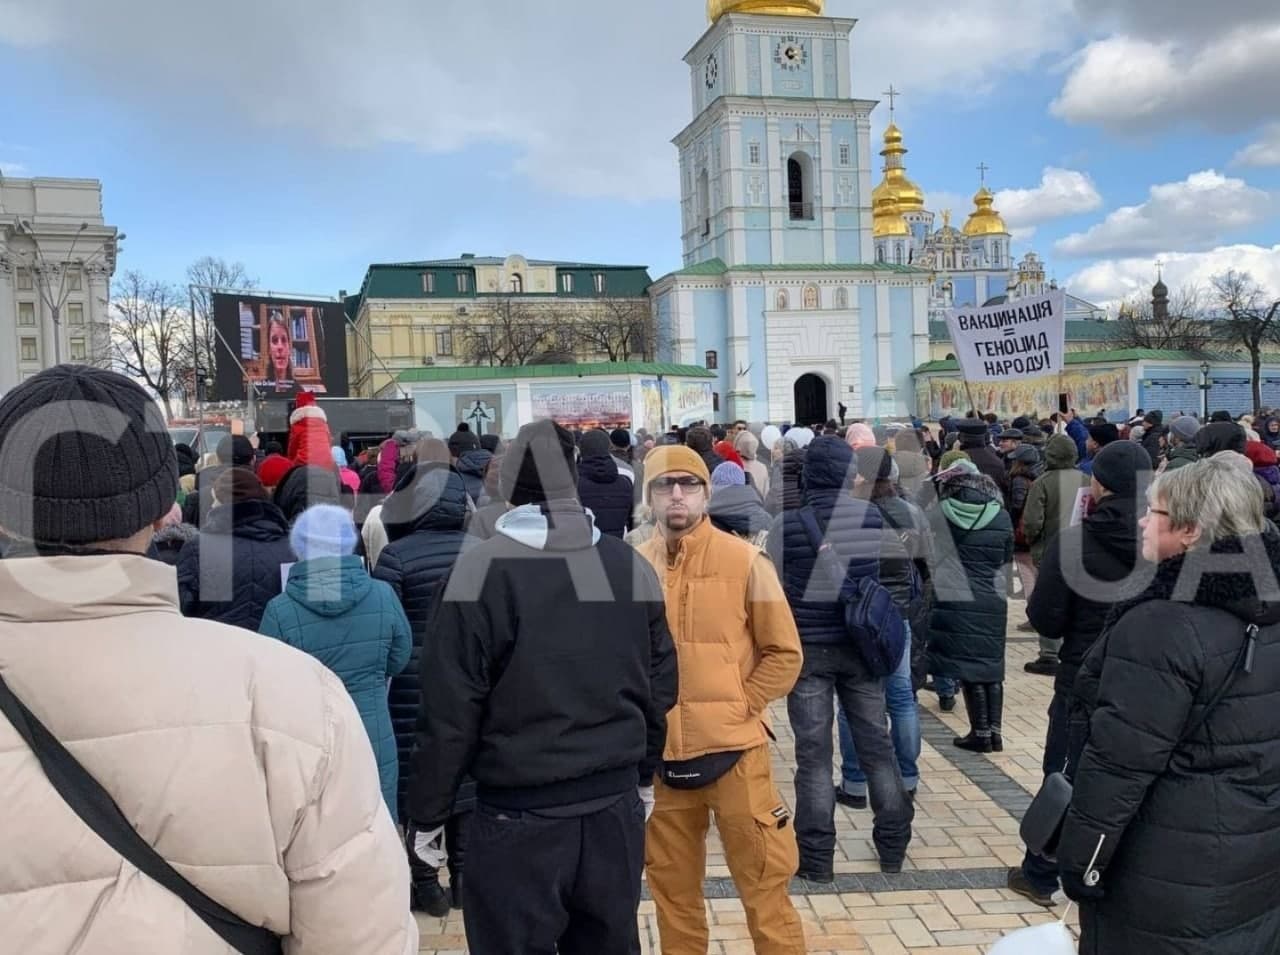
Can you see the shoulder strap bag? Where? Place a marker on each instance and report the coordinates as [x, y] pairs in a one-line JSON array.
[[98, 811], [1042, 824]]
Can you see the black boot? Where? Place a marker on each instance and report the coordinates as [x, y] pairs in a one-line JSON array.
[[995, 715], [428, 894], [975, 704], [455, 840]]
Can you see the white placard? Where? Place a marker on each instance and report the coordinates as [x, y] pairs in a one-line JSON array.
[[1021, 339]]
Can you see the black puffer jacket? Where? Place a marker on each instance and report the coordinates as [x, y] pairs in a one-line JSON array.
[[606, 493], [1189, 812], [738, 510], [1151, 442], [850, 526], [305, 487], [231, 571], [473, 465], [425, 535], [1084, 573], [167, 545], [973, 537], [981, 453]]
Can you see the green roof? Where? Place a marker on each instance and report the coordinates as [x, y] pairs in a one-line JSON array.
[[718, 267], [584, 370], [1118, 354], [403, 280], [1078, 330]]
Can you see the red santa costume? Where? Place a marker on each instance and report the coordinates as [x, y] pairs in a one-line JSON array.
[[309, 440]]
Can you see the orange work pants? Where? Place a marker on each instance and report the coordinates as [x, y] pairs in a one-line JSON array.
[[759, 846]]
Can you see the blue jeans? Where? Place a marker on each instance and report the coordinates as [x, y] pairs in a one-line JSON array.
[[904, 721], [830, 672]]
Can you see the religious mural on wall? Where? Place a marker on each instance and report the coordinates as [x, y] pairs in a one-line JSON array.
[[584, 407], [1088, 391]]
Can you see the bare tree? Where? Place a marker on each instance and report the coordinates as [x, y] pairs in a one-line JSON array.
[[205, 275], [1184, 326], [507, 331], [1250, 317], [150, 332], [622, 329]]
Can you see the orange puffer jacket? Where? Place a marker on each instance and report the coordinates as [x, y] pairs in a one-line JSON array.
[[735, 638]]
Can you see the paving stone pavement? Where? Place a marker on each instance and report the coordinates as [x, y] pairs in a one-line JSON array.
[[950, 898]]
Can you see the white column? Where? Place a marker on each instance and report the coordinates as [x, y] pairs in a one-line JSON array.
[[96, 314], [741, 398], [863, 136], [9, 377], [886, 391]]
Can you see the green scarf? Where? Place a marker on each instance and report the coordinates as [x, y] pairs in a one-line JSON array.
[[970, 517]]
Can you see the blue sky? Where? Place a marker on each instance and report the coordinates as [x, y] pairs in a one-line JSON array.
[[308, 139]]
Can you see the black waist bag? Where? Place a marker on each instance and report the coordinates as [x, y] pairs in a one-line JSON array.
[[98, 811], [699, 771]]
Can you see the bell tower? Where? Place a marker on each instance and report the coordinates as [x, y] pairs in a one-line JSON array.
[[775, 167]]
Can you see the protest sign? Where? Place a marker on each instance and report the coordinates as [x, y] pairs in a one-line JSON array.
[[1021, 339]]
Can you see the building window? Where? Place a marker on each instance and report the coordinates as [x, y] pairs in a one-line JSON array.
[[845, 154], [715, 401], [464, 282], [811, 297], [75, 313], [996, 260], [77, 349], [704, 203], [712, 360], [800, 187], [753, 153], [879, 253], [25, 281], [428, 282], [842, 297], [598, 278], [29, 352], [26, 313], [566, 283], [444, 342], [782, 300], [517, 284], [897, 254], [73, 280]]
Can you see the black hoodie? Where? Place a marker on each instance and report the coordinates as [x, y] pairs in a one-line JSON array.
[[546, 693], [738, 510], [606, 492]]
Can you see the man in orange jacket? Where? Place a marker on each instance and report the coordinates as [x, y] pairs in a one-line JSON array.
[[738, 651]]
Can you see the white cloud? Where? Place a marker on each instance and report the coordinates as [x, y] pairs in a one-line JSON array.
[[1061, 192], [585, 95], [1112, 281], [1199, 211], [1129, 83], [1265, 151]]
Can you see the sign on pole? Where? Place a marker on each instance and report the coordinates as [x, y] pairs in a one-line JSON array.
[[1022, 339]]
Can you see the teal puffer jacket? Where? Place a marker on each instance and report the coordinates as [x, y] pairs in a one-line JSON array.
[[332, 610]]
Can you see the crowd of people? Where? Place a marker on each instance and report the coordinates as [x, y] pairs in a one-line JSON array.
[[330, 688]]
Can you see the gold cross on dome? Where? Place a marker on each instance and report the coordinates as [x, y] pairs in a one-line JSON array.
[[983, 169], [893, 99]]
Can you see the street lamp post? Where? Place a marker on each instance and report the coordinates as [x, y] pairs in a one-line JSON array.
[[1205, 384], [41, 268]]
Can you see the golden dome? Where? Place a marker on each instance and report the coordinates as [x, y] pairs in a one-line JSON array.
[[886, 220], [906, 194], [797, 8], [984, 220]]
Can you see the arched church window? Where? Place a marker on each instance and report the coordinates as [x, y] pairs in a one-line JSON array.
[[811, 297], [880, 253], [842, 297], [800, 186], [712, 360], [782, 300], [897, 254], [517, 284], [996, 259]]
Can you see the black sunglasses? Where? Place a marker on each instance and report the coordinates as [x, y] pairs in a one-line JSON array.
[[687, 482]]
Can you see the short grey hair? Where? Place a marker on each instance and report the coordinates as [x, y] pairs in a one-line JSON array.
[[1214, 495]]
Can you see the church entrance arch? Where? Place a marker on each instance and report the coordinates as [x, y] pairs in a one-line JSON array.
[[811, 400]]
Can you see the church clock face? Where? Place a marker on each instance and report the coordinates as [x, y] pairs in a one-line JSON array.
[[791, 54], [712, 71]]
